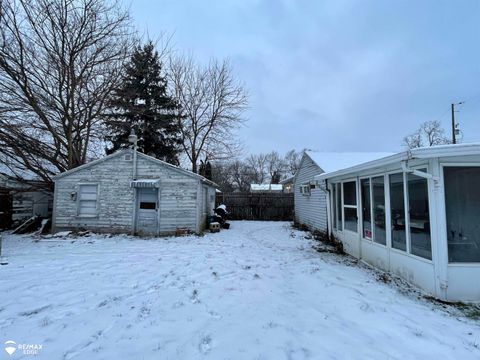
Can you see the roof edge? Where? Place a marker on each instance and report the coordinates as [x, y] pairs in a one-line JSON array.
[[418, 153]]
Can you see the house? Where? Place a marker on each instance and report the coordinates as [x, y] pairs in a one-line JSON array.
[[288, 184], [310, 199], [415, 214], [130, 192]]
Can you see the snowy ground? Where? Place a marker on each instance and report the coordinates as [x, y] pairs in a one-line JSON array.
[[256, 291]]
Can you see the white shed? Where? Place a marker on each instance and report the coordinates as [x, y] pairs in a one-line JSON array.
[[415, 214], [132, 194], [310, 199]]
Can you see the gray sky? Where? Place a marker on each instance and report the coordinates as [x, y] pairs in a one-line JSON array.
[[335, 75]]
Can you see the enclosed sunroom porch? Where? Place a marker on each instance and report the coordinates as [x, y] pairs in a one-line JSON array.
[[416, 214]]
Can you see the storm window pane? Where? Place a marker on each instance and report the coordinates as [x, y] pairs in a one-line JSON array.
[[339, 206], [420, 242], [462, 201], [334, 206], [350, 193], [351, 219], [366, 209], [397, 206], [378, 189]]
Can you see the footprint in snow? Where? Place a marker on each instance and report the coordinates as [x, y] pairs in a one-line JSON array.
[[205, 344], [194, 298], [364, 306]]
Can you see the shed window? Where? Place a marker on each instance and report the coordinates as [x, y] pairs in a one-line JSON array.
[[87, 199], [462, 202], [148, 205]]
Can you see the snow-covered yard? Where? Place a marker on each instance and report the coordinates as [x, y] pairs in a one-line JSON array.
[[256, 291]]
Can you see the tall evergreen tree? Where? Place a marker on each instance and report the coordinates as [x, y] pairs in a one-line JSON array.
[[141, 102]]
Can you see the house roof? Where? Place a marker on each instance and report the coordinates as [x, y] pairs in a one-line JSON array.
[[418, 153], [287, 180], [139, 154], [266, 187], [333, 161]]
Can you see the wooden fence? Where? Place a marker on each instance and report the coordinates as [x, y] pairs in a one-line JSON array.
[[258, 206]]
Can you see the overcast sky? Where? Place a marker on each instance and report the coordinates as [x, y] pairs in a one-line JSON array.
[[335, 75]]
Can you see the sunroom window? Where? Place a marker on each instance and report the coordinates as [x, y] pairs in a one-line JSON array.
[[338, 200], [419, 218], [378, 190], [397, 211], [366, 209], [462, 202], [350, 206]]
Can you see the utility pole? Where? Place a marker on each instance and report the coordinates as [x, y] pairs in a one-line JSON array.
[[454, 126], [454, 140]]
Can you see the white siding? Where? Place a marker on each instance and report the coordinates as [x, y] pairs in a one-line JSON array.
[[310, 210]]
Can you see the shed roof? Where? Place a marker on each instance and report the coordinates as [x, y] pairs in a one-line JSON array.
[[418, 153], [139, 154]]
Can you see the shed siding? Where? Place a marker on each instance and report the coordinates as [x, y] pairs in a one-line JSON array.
[[310, 210], [115, 206]]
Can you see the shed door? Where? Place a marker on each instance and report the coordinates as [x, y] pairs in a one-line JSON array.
[[147, 210]]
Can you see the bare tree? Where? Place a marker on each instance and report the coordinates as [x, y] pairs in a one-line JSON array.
[[257, 166], [430, 133], [212, 103], [275, 166], [241, 175], [59, 61], [292, 162]]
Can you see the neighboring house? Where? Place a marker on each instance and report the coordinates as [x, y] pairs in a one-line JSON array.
[[25, 198], [415, 214], [278, 188], [310, 198], [130, 192], [288, 184]]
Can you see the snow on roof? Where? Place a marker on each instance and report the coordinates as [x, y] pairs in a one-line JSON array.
[[450, 150], [287, 180], [333, 161], [266, 187]]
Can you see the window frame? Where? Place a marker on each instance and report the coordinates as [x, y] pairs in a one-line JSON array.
[[405, 209], [369, 177], [79, 185], [305, 189], [336, 196], [388, 194], [354, 180], [407, 196]]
